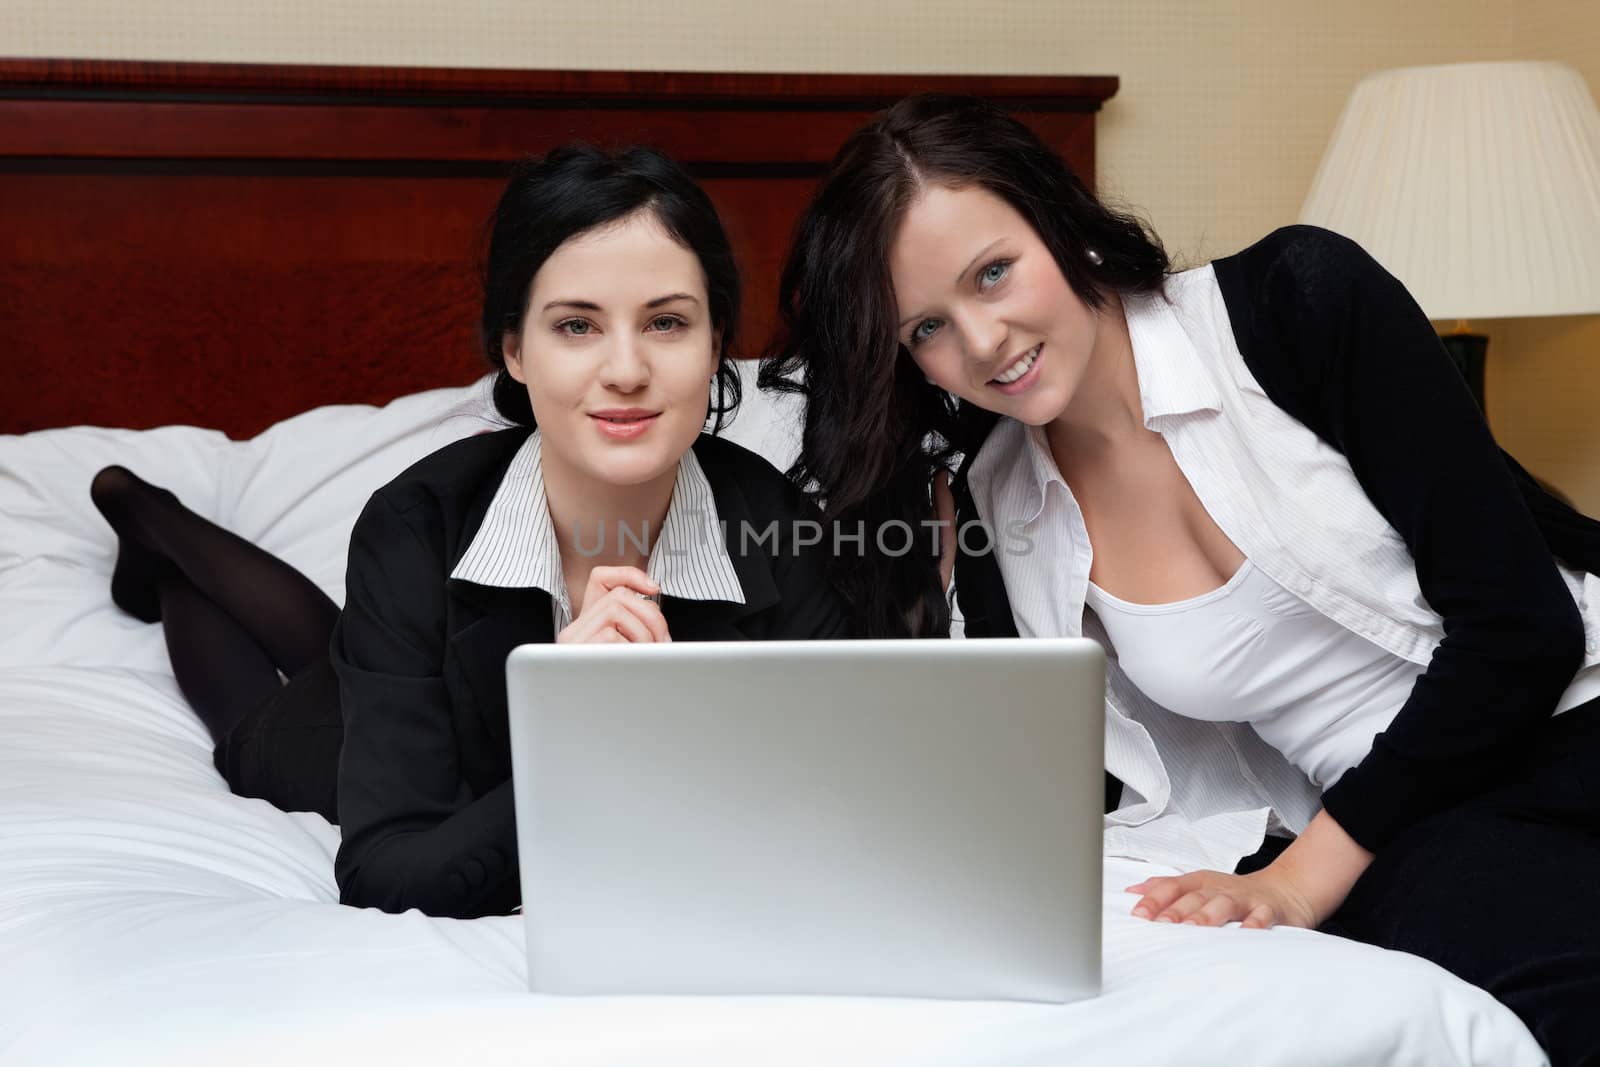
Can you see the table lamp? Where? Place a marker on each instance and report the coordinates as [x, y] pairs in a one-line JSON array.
[[1477, 185]]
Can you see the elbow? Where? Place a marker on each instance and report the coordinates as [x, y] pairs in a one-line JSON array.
[[1523, 656], [1555, 643], [1562, 629], [1567, 641], [367, 878], [485, 884], [391, 895], [358, 889], [353, 895]]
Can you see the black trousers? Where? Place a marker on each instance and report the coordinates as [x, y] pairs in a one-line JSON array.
[[286, 750], [1504, 890]]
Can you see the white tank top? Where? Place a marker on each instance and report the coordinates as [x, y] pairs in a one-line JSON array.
[[1253, 652]]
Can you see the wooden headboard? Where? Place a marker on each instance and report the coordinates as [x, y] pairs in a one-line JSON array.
[[226, 245]]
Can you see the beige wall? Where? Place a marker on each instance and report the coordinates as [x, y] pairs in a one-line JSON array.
[[1543, 380], [1224, 108], [1223, 113]]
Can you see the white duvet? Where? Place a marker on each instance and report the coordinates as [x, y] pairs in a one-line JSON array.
[[147, 916]]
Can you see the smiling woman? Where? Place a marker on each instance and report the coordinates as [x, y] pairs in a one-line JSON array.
[[588, 365], [868, 281], [606, 333], [955, 314], [1332, 606], [610, 298]]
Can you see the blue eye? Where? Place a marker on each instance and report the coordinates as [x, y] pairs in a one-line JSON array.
[[994, 273], [666, 323], [923, 330], [574, 327]]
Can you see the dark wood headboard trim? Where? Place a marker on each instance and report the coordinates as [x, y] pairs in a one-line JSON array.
[[527, 87], [226, 245], [65, 110]]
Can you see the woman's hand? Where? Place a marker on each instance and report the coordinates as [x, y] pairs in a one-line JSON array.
[[1302, 887], [615, 609], [1261, 900]]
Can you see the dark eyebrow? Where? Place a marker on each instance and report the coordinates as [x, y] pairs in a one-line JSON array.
[[981, 253], [589, 305]]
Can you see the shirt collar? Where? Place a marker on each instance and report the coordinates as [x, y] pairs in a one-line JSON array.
[[1012, 471], [1172, 379], [515, 546], [690, 559]]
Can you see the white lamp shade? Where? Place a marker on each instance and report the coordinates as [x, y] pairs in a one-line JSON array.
[[1476, 184]]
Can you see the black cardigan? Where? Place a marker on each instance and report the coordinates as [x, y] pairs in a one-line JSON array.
[[1338, 343], [425, 796]]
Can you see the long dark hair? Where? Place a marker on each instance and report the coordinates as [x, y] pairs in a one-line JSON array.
[[573, 190], [875, 429]]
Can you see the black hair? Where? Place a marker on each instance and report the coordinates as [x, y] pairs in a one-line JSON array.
[[875, 429], [573, 190]]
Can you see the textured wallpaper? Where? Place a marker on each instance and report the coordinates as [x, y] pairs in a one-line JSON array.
[[1542, 382], [1224, 109]]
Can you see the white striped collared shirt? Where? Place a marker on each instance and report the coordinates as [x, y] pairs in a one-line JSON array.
[[516, 545], [1200, 793]]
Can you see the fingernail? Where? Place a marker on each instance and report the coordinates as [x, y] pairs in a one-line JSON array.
[[1165, 919], [1142, 912]]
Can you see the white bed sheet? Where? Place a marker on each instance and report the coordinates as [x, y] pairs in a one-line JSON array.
[[149, 916]]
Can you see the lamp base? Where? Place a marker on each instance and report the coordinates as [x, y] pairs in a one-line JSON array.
[[1467, 351]]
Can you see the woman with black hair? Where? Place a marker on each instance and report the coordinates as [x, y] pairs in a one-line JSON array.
[[604, 514], [1334, 610]]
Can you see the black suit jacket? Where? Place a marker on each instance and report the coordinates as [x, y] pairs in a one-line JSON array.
[[425, 799]]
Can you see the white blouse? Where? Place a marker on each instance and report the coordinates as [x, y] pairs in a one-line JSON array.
[[1201, 793], [516, 545]]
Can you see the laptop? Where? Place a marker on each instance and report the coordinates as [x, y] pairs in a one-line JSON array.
[[851, 818]]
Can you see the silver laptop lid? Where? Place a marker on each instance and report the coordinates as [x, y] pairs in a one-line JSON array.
[[893, 818]]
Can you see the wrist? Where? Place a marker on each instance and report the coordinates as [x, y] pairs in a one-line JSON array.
[[1321, 866]]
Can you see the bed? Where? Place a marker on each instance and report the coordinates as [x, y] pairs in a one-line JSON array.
[[149, 916]]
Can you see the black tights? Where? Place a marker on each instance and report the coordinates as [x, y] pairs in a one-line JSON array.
[[235, 616]]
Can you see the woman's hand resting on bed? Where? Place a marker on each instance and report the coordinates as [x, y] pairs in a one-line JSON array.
[[1302, 887], [617, 607], [1210, 898]]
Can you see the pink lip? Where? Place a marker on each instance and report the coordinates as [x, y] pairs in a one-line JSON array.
[[1024, 382], [624, 424]]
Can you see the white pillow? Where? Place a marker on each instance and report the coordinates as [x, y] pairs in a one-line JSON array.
[[295, 489], [56, 552], [766, 423]]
